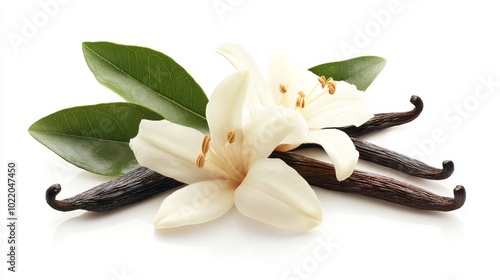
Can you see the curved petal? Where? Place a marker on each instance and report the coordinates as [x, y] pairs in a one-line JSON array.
[[196, 203], [274, 193], [169, 149], [241, 60], [225, 108], [346, 107], [268, 129], [340, 149]]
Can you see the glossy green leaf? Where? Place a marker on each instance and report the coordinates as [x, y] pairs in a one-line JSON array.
[[95, 137], [149, 78], [359, 71]]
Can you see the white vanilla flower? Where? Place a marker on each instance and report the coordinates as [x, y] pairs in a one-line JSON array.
[[323, 103], [231, 166]]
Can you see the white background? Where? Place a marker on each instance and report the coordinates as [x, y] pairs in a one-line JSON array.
[[439, 51]]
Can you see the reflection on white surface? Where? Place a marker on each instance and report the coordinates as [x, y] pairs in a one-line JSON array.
[[355, 229]]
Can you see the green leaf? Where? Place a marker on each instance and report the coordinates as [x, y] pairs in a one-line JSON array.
[[149, 78], [96, 137], [360, 71]]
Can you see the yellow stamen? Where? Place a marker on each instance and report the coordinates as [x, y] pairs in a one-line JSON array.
[[282, 88], [206, 144], [231, 135], [300, 102], [332, 86], [200, 161], [322, 81]]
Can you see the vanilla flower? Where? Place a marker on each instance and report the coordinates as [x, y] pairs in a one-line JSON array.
[[231, 166], [323, 103]]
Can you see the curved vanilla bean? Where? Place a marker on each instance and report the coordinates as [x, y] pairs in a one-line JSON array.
[[321, 174], [385, 120], [136, 185], [399, 162], [143, 183], [385, 157]]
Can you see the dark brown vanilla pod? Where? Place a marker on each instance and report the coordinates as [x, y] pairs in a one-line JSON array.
[[402, 163], [137, 185], [399, 162], [143, 183], [385, 120], [321, 174]]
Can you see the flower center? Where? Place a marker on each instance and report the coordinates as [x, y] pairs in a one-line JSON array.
[[327, 86], [226, 162]]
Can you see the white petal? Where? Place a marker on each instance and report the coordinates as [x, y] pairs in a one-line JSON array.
[[347, 106], [274, 193], [340, 149], [241, 60], [292, 76], [169, 149], [196, 203], [268, 129], [225, 108]]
